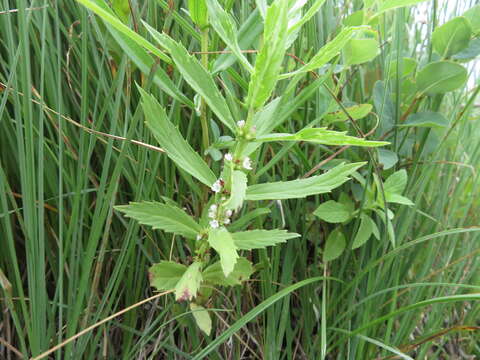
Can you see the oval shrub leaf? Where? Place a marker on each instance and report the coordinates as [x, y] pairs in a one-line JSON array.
[[332, 212], [165, 275], [426, 119], [188, 285], [202, 318], [364, 231], [334, 246], [452, 37], [441, 77]]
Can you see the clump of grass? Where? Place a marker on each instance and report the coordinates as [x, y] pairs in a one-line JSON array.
[[386, 263]]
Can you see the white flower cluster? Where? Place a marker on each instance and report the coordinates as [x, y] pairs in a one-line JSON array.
[[217, 185], [217, 218]]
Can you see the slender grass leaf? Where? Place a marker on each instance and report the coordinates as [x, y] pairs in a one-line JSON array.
[[332, 212], [452, 37], [196, 76], [259, 239], [296, 21], [335, 245], [226, 28], [201, 316], [303, 187], [221, 240], [242, 271], [165, 275], [238, 191], [320, 136], [176, 147], [188, 285], [161, 216], [270, 57]]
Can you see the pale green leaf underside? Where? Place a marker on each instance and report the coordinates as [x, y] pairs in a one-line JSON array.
[[202, 318], [321, 136], [259, 239], [332, 211], [221, 240], [170, 139], [188, 285], [303, 187], [196, 76], [160, 216], [166, 274]]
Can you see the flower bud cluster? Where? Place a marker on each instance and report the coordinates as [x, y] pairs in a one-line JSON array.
[[218, 216]]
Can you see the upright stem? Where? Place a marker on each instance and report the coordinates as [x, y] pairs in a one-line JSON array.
[[203, 105]]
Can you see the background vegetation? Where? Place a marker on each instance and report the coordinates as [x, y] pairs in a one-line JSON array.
[[73, 144]]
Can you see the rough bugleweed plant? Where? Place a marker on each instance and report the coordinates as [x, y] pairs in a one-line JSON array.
[[216, 234]]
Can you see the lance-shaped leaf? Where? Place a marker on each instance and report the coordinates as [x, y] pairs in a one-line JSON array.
[[321, 136], [198, 12], [160, 216], [226, 28], [202, 318], [303, 187], [188, 285], [165, 275], [221, 240], [196, 76], [238, 190], [259, 239], [241, 272], [170, 139], [270, 58]]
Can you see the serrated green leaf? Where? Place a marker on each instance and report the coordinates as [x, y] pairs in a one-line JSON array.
[[321, 136], [238, 191], [441, 77], [170, 139], [202, 318], [198, 12], [270, 58], [334, 246], [452, 37], [166, 274], [226, 28], [303, 187], [259, 239], [332, 212], [426, 119], [188, 285], [242, 271], [221, 240], [396, 182], [356, 112], [160, 216], [364, 231], [196, 76]]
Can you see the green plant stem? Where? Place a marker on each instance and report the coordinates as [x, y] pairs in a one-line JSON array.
[[203, 104]]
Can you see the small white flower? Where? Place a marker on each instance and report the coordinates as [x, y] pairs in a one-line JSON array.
[[213, 208], [199, 237], [247, 163], [212, 211], [217, 186], [226, 221], [214, 224], [241, 123], [228, 213], [228, 157]]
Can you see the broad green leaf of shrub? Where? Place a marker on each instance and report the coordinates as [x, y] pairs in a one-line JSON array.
[[452, 37], [398, 199], [226, 28], [198, 12], [408, 67], [335, 245], [362, 48], [196, 76], [356, 112], [221, 240], [161, 216], [202, 318], [188, 285], [259, 239], [471, 52], [332, 212], [364, 231], [270, 57], [303, 187], [122, 9], [170, 139], [355, 19], [239, 188], [441, 77], [387, 158], [426, 119], [321, 136], [473, 16], [394, 4], [242, 271], [396, 182], [166, 274]]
